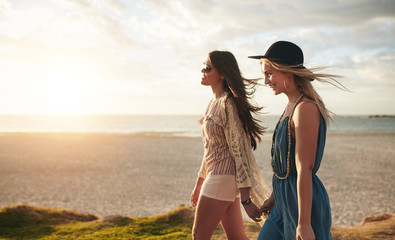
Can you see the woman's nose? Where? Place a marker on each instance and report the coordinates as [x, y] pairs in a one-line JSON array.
[[267, 81]]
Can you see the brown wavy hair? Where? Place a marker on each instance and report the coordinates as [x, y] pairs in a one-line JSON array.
[[241, 91]]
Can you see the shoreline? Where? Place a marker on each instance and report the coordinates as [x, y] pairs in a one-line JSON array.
[[267, 137], [163, 134]]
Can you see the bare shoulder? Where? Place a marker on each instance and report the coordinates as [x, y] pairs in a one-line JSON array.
[[307, 106], [307, 112]]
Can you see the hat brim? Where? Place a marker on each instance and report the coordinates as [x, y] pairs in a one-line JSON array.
[[263, 56], [257, 57]]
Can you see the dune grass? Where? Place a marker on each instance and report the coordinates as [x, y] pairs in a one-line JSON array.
[[27, 222], [381, 226]]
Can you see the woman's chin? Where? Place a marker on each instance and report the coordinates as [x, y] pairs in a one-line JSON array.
[[276, 91]]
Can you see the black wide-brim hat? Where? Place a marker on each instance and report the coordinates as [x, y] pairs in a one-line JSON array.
[[284, 52]]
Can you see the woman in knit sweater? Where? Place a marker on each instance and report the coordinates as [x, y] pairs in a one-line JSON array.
[[228, 173]]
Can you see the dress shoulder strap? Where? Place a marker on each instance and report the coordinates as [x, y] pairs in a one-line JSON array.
[[289, 141]]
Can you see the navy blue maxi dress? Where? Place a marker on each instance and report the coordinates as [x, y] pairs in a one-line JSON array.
[[283, 219]]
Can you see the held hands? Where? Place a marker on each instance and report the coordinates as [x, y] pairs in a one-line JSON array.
[[268, 206], [253, 211], [305, 232]]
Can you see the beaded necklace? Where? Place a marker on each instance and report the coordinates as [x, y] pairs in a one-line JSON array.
[[289, 139]]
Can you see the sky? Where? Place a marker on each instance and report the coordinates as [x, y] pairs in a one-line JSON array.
[[145, 56]]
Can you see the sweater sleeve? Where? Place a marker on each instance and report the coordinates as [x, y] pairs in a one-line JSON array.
[[202, 172], [239, 144]]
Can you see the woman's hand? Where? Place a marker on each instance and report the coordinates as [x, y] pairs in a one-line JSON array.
[[268, 205], [251, 209], [253, 212], [305, 232], [196, 191], [195, 196]]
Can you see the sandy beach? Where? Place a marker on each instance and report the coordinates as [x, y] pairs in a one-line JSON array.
[[148, 175]]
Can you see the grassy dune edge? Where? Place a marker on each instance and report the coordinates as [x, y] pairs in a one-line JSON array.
[[27, 222]]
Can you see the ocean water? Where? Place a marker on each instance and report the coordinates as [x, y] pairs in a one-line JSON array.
[[162, 125]]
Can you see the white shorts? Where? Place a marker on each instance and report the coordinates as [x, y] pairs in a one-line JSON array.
[[220, 187]]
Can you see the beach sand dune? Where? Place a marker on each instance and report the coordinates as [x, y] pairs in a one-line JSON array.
[[148, 175]]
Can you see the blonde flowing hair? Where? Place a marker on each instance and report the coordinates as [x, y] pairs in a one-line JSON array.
[[303, 78]]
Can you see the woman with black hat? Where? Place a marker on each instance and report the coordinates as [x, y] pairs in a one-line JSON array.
[[299, 205]]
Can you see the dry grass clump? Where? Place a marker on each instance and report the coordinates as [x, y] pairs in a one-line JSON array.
[[381, 226]]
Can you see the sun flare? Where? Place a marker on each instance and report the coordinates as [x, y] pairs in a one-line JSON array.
[[62, 92]]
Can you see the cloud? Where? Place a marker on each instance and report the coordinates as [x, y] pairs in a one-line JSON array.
[[69, 22], [208, 25], [333, 33], [157, 46], [77, 30], [116, 6], [5, 6], [255, 17]]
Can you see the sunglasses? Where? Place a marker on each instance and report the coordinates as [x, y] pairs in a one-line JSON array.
[[206, 68]]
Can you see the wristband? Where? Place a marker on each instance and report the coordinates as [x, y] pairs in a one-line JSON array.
[[247, 202]]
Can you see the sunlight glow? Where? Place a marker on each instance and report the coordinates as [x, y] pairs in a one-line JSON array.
[[62, 94], [62, 90]]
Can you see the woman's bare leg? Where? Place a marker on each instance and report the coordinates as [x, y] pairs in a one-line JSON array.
[[208, 214], [232, 222]]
